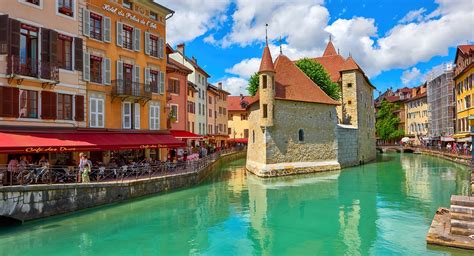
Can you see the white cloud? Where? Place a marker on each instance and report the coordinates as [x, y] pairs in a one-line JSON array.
[[193, 18], [235, 85], [415, 15], [411, 76], [245, 68]]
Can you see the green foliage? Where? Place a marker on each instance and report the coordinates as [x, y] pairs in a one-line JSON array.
[[252, 87], [318, 74], [387, 122]]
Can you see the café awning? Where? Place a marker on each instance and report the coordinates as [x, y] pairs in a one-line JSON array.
[[56, 142], [239, 140], [181, 134]]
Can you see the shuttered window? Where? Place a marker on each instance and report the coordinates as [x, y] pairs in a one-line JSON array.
[[126, 115], [3, 34], [127, 37], [95, 26], [9, 97], [28, 104], [96, 114], [154, 116], [64, 107], [79, 108], [64, 48], [136, 114], [48, 105], [78, 54], [162, 82]]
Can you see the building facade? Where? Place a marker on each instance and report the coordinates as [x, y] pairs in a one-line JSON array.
[[441, 104], [463, 76], [416, 109], [217, 114], [192, 97], [238, 117], [199, 78]]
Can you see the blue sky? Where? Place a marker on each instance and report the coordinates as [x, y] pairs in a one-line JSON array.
[[395, 42]]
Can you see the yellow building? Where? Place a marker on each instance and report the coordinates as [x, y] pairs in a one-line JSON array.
[[416, 109], [192, 90], [463, 76], [238, 117]]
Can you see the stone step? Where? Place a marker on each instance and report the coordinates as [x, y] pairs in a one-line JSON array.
[[462, 231], [467, 201], [469, 225], [462, 209], [462, 216]]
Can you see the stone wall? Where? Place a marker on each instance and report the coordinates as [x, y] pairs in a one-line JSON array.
[[347, 145], [256, 145], [38, 201]]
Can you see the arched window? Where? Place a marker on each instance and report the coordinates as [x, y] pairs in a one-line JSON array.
[[300, 135], [253, 136]]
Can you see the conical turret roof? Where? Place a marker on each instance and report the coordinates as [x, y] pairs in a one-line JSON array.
[[266, 64], [330, 50]]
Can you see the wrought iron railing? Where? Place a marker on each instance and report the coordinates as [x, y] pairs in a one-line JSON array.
[[127, 88], [33, 68], [31, 175]]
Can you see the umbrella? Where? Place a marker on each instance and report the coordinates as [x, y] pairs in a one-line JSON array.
[[405, 139]]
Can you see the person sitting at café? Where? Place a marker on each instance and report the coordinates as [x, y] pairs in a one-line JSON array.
[[11, 169], [43, 162]]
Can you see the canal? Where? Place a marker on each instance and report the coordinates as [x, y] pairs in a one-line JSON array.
[[383, 208]]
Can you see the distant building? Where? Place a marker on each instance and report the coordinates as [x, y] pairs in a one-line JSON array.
[[463, 76], [238, 117], [441, 105], [217, 115], [416, 109]]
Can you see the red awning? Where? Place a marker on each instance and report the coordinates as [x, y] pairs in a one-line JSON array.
[[181, 134], [40, 142], [239, 140]]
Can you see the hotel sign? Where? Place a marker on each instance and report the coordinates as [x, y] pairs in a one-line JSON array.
[[129, 16]]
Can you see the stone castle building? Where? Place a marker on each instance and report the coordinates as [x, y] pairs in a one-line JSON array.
[[295, 127]]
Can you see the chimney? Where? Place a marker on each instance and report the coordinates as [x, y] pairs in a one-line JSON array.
[[180, 48], [219, 85]]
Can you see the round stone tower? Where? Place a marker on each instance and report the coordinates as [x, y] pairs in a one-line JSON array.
[[266, 88]]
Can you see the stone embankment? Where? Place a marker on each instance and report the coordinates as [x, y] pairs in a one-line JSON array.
[[460, 159], [25, 203], [454, 227]]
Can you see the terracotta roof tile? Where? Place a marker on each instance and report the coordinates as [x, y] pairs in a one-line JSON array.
[[292, 84], [330, 49], [350, 64], [266, 64], [234, 102], [466, 48], [332, 64]]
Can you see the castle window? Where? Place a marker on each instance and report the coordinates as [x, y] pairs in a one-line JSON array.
[[265, 110], [264, 82], [349, 102], [253, 136], [300, 135], [349, 85]]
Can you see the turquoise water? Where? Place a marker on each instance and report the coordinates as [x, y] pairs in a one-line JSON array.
[[383, 208]]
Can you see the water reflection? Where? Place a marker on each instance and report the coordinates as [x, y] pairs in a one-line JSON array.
[[381, 208]]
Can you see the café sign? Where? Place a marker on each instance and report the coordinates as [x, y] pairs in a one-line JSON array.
[[129, 16], [48, 149]]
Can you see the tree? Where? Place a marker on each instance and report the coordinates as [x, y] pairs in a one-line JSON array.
[[387, 122], [252, 87], [318, 74]]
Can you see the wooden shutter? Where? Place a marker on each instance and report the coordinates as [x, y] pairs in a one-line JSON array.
[[147, 76], [4, 34], [119, 34], [136, 74], [79, 105], [86, 22], [106, 29], [119, 70], [45, 52], [137, 39], [53, 47], [147, 43], [136, 112], [14, 66], [78, 52], [162, 82], [161, 44], [9, 105], [107, 73], [86, 74]]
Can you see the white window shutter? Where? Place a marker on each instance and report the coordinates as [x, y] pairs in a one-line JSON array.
[[119, 70], [136, 74], [93, 112], [107, 73], [137, 37], [100, 110], [147, 76], [106, 25], [161, 47], [151, 114], [126, 115], [147, 43], [157, 117], [86, 22], [162, 82], [86, 71], [137, 115], [119, 34]]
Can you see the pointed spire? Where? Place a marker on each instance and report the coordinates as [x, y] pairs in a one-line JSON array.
[[266, 64], [330, 49], [281, 49]]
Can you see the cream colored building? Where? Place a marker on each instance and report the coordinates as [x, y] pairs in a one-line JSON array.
[[416, 109], [238, 117]]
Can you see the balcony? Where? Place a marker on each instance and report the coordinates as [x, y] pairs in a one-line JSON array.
[[21, 66], [131, 90]]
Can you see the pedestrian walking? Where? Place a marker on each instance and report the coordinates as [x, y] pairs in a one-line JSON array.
[[86, 166]]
